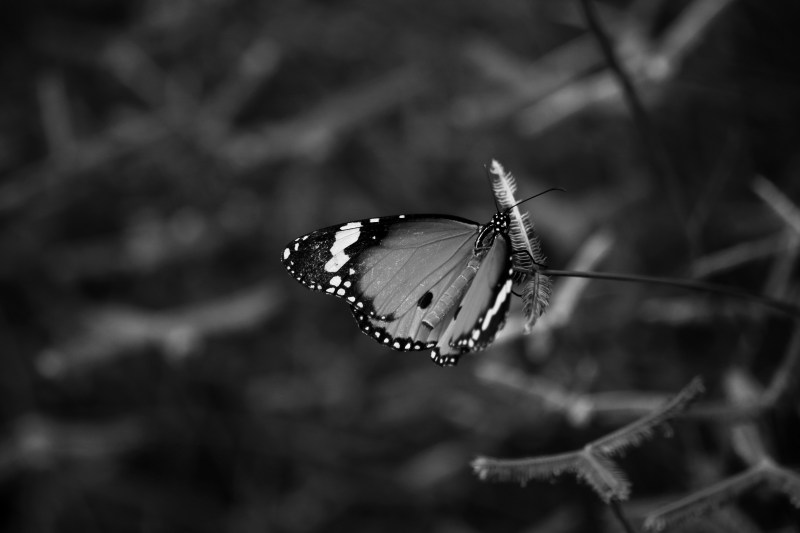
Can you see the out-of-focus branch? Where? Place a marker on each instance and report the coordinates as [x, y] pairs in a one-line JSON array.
[[649, 63], [750, 445], [111, 332], [748, 442], [612, 407], [785, 378], [314, 133], [684, 35], [120, 138], [522, 83], [55, 114], [256, 64], [311, 135], [778, 201], [593, 463], [37, 441], [657, 157], [738, 255]]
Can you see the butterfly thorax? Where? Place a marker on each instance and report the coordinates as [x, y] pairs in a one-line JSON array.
[[498, 225]]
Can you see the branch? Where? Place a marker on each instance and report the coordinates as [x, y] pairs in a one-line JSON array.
[[592, 463], [656, 156], [704, 501], [644, 428], [113, 331]]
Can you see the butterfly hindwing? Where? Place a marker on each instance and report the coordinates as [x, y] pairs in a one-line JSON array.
[[481, 293], [421, 326], [482, 311]]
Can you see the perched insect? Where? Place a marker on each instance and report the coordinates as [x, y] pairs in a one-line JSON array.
[[415, 282]]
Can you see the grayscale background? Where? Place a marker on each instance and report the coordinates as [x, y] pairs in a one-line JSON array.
[[160, 371]]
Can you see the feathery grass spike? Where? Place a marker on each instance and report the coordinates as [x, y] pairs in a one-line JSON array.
[[705, 500], [600, 473], [523, 470], [644, 428], [593, 463], [603, 476], [528, 257]]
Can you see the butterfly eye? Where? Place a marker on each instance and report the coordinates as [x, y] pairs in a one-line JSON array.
[[425, 300]]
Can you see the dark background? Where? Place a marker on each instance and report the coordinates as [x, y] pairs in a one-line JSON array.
[[159, 371]]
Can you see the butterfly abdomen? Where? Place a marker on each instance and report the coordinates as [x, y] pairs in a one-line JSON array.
[[452, 295]]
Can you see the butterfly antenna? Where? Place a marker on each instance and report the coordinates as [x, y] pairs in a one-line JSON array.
[[535, 196]]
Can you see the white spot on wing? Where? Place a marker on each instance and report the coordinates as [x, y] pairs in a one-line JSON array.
[[501, 297], [348, 234], [374, 220], [286, 253], [335, 281], [336, 262]]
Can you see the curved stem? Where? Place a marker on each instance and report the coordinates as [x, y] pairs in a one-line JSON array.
[[777, 305]]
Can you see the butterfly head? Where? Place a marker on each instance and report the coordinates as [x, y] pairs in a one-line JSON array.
[[500, 223]]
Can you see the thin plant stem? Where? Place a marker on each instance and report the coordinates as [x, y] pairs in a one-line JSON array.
[[656, 156], [777, 305], [617, 509]]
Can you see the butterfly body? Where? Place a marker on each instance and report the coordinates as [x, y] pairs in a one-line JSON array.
[[414, 282]]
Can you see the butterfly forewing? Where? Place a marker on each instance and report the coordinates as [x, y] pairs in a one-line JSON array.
[[382, 266]]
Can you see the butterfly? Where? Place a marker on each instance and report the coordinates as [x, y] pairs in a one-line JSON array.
[[416, 282]]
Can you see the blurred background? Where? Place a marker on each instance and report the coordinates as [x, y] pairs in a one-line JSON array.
[[159, 370]]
